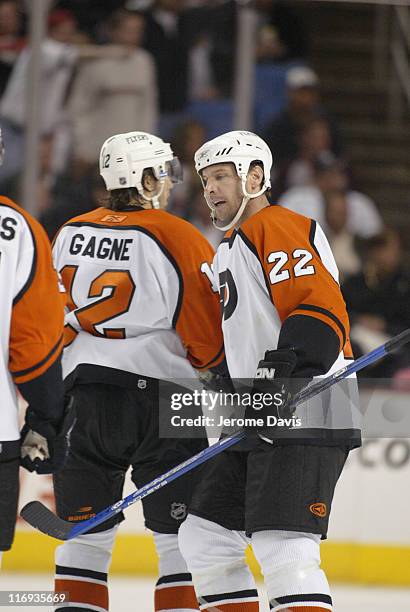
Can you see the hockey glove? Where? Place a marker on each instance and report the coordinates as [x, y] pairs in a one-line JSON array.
[[45, 443], [272, 392], [217, 379]]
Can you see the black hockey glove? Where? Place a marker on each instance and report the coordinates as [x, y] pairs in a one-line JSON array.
[[45, 443], [272, 392], [217, 379]]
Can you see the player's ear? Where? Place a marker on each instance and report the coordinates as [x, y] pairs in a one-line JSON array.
[[255, 178], [149, 182]]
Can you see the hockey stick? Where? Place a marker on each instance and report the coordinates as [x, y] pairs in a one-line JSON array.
[[40, 517]]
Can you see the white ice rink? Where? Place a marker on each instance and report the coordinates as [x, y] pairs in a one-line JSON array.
[[136, 595]]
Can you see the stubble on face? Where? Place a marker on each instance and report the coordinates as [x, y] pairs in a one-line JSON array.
[[223, 192]]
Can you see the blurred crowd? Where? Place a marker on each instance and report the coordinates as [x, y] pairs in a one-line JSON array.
[[167, 67]]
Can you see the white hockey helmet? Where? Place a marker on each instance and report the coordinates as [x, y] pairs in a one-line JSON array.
[[238, 148], [241, 149], [124, 157]]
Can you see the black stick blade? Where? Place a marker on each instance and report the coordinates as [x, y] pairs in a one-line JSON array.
[[40, 517]]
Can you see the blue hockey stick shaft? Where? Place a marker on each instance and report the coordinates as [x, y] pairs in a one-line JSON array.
[[229, 441], [360, 363]]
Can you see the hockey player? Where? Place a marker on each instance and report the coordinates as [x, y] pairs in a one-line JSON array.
[[31, 342], [283, 318], [141, 309]]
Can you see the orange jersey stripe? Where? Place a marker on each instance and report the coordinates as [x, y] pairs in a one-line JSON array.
[[173, 598], [42, 366], [83, 592], [38, 311]]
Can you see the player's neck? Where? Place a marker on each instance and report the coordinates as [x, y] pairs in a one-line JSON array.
[[253, 207]]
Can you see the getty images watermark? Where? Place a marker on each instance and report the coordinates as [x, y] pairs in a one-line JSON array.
[[215, 401], [380, 409]]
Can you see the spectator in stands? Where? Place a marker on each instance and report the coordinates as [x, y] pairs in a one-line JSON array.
[[59, 56], [46, 176], [169, 34], [89, 14], [281, 35], [314, 139], [283, 135], [340, 238], [378, 297], [222, 22], [363, 218], [72, 196], [280, 43], [114, 95], [11, 39], [63, 27], [279, 39], [201, 81]]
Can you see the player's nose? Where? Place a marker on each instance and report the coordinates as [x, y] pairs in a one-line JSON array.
[[210, 186]]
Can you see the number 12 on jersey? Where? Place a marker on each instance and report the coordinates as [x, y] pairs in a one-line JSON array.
[[107, 307]]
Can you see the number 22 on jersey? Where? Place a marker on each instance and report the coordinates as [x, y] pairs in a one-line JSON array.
[[280, 272]]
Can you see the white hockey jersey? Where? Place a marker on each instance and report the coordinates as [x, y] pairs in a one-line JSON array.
[[31, 307], [140, 299], [279, 265]]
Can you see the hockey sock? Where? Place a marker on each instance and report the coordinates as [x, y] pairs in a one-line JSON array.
[[216, 558], [174, 590], [175, 593], [81, 570], [301, 607], [238, 601], [290, 563], [86, 589]]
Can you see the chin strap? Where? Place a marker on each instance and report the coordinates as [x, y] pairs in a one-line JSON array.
[[246, 197], [236, 218], [155, 198]]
